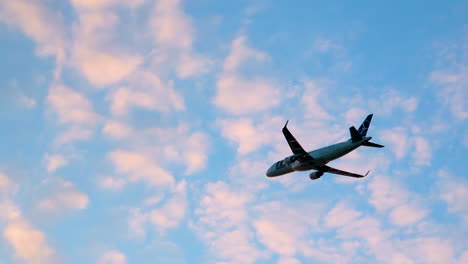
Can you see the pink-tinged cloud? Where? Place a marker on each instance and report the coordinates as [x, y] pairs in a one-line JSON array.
[[311, 102], [112, 257], [145, 90], [103, 68], [238, 94], [64, 196], [138, 167], [99, 4], [54, 162], [39, 23], [29, 244], [173, 34], [71, 107], [221, 224]]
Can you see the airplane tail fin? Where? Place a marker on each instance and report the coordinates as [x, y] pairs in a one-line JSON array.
[[365, 126], [355, 135]]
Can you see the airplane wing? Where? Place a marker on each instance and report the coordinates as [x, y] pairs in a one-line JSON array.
[[296, 148], [340, 172]]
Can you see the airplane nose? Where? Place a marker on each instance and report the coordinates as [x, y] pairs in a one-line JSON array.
[[270, 171]]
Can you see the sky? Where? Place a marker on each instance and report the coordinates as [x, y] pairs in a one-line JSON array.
[[140, 131]]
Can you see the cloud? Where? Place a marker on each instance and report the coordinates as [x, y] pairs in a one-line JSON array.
[[429, 250], [112, 183], [283, 227], [138, 167], [310, 100], [250, 136], [168, 214], [29, 244], [173, 33], [241, 53], [173, 211], [71, 107], [117, 130], [146, 91], [112, 257], [176, 144], [54, 162], [98, 52], [64, 196], [422, 154], [454, 192], [221, 224], [340, 215], [407, 214], [97, 4], [104, 68], [399, 139], [393, 100], [453, 93], [237, 94], [73, 133], [37, 22], [27, 101], [388, 195]]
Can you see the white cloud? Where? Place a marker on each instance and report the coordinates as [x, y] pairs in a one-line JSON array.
[[222, 224], [240, 53], [71, 107], [407, 215], [340, 215], [429, 250], [398, 139], [146, 91], [237, 94], [453, 83], [6, 185], [64, 196], [116, 129], [166, 216], [73, 133], [173, 211], [422, 153], [249, 136], [28, 243], [174, 35], [175, 144], [97, 52], [37, 22], [55, 162], [96, 4], [454, 191], [139, 167], [27, 101], [388, 195], [393, 100], [104, 68], [112, 183], [112, 257], [310, 100]]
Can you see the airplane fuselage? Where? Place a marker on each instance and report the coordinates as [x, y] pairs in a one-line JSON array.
[[321, 157]]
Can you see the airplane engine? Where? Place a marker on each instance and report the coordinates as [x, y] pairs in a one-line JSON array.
[[315, 175]]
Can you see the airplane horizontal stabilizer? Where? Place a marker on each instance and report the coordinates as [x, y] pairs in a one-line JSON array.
[[371, 144], [355, 136]]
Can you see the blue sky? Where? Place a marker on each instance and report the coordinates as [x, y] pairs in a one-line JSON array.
[[140, 131]]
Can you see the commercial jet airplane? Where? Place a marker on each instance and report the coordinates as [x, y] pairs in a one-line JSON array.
[[317, 159]]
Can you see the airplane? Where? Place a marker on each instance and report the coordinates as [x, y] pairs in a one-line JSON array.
[[317, 159]]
